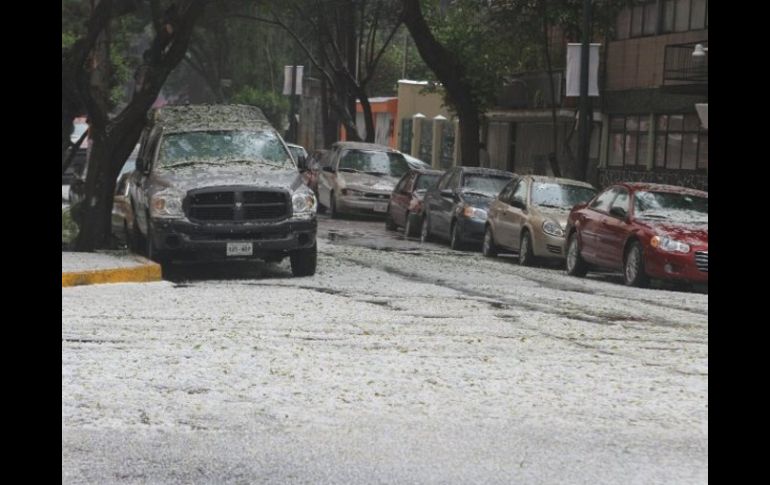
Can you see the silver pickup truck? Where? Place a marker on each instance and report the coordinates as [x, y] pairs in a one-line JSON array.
[[217, 182]]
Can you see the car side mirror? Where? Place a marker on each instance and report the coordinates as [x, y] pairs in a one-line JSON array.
[[302, 163], [618, 212]]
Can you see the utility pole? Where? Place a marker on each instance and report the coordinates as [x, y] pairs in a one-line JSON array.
[[584, 122], [293, 110]]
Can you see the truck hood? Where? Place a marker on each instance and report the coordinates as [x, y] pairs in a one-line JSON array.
[[197, 177], [367, 182]]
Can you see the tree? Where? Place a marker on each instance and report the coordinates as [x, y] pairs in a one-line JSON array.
[[466, 57], [344, 40], [114, 137]]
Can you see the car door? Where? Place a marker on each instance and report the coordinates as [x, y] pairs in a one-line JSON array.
[[446, 204], [516, 214], [592, 228], [141, 182], [433, 199], [615, 229], [497, 209], [326, 178], [399, 199]]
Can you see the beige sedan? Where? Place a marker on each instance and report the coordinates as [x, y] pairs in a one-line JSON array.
[[529, 217]]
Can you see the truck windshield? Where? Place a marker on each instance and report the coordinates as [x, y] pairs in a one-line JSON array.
[[223, 147]]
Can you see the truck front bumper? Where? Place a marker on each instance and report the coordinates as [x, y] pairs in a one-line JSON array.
[[184, 240]]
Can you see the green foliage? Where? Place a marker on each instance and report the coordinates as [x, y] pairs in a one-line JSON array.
[[273, 105]]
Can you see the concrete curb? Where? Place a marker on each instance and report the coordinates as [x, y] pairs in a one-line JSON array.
[[148, 271]]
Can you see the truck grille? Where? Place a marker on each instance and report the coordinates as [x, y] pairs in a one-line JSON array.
[[237, 205], [702, 260]]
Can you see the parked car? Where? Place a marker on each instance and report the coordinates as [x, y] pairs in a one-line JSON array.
[[226, 188], [406, 208], [122, 213], [78, 185], [76, 167], [311, 170], [644, 230], [416, 162], [529, 216], [359, 178], [298, 153], [456, 207]]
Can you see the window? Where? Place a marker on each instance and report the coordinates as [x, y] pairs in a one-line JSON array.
[[621, 200], [442, 184], [680, 143], [629, 136], [602, 202], [402, 184], [637, 21], [684, 15], [520, 192]]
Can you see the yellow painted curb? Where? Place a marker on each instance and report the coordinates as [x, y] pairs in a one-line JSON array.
[[133, 274]]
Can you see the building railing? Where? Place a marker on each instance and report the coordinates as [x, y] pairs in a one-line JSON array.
[[681, 67]]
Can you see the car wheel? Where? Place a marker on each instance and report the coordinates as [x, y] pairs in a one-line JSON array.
[[389, 224], [455, 240], [303, 261], [333, 207], [425, 235], [633, 268], [526, 256], [488, 248], [576, 265]]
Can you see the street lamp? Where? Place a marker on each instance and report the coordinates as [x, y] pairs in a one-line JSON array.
[[699, 52]]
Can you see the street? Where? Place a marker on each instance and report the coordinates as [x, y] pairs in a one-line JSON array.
[[398, 362]]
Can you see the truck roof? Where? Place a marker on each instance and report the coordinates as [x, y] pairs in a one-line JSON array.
[[208, 117]]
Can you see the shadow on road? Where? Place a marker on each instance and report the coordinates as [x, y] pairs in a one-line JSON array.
[[224, 270]]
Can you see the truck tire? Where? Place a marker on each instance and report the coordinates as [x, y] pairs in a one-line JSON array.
[[303, 261]]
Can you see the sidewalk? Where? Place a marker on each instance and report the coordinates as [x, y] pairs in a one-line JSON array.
[[106, 267]]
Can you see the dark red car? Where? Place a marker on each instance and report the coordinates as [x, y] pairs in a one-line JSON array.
[[645, 230], [405, 208]]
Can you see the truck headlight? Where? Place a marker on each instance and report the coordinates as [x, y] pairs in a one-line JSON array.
[[667, 244], [553, 229], [303, 203], [166, 204]]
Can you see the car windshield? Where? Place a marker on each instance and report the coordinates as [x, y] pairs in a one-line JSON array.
[[487, 184], [670, 206], [426, 181], [223, 147], [373, 162], [550, 194]]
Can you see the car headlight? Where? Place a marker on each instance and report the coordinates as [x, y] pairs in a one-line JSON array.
[[166, 204], [474, 213], [553, 229], [670, 245], [303, 203], [355, 193]]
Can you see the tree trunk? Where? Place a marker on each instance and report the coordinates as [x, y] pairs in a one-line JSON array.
[[113, 139], [368, 117], [469, 134], [451, 73]]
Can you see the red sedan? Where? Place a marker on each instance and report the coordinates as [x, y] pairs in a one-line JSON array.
[[645, 230]]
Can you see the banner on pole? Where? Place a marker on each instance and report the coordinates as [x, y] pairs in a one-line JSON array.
[[287, 80], [573, 70]]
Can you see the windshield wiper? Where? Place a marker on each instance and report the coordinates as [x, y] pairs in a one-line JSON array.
[[377, 173], [346, 169], [186, 164], [553, 206]]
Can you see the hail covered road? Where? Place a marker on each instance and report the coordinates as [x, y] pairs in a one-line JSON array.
[[396, 363]]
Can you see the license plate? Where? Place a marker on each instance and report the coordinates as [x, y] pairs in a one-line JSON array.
[[381, 207], [240, 249]]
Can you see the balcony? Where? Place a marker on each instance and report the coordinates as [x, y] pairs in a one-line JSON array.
[[682, 72]]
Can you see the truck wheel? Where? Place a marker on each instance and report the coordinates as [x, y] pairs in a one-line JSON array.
[[152, 253], [303, 261], [389, 224]]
